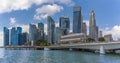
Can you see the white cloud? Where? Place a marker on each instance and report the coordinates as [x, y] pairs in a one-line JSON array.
[[47, 10], [12, 21], [13, 5], [67, 2], [115, 31]]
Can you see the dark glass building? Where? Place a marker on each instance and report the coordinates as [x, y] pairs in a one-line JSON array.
[[32, 32], [24, 38], [64, 25], [40, 31], [77, 20], [51, 29], [19, 30], [6, 36], [14, 37]]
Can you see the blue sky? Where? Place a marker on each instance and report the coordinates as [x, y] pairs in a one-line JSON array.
[[23, 12]]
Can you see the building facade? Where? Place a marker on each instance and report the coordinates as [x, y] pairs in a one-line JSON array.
[[24, 38], [93, 29], [32, 33], [64, 25], [14, 37], [58, 34], [40, 31], [19, 31], [77, 20], [73, 38], [100, 34], [51, 30], [6, 36], [84, 28], [108, 37]]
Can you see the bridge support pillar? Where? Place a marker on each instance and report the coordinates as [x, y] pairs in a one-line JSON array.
[[46, 49], [102, 50]]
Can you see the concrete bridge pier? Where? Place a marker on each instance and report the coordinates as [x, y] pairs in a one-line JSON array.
[[102, 50]]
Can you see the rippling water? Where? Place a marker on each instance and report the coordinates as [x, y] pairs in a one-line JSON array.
[[54, 56]]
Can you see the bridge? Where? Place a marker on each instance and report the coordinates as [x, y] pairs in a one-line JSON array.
[[101, 47]]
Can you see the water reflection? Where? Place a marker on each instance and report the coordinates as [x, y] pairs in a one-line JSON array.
[[40, 56], [2, 53]]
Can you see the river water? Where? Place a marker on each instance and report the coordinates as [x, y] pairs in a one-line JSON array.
[[55, 56]]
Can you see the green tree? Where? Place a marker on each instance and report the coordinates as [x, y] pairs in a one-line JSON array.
[[41, 43], [90, 40], [101, 39]]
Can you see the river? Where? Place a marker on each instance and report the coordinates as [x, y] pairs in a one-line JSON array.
[[55, 56]]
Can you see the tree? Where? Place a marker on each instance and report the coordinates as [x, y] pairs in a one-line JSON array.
[[101, 39], [90, 40], [41, 43]]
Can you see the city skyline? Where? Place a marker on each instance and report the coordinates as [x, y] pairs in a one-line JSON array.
[[102, 17]]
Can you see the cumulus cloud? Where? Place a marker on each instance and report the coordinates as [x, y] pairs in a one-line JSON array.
[[13, 5], [12, 21], [115, 31], [47, 10]]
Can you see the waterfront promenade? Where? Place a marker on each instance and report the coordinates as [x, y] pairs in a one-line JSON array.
[[101, 47]]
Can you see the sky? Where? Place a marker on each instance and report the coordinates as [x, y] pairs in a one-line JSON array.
[[23, 12]]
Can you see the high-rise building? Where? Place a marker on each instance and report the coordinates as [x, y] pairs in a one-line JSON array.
[[58, 33], [77, 20], [6, 36], [32, 33], [14, 37], [100, 34], [19, 31], [108, 37], [84, 28], [64, 25], [24, 38], [51, 29], [40, 31], [93, 29]]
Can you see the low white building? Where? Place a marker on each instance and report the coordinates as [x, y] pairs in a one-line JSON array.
[[108, 37], [73, 38]]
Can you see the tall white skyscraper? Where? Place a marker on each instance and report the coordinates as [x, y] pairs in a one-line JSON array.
[[93, 29]]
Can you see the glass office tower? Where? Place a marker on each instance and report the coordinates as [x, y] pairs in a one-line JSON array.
[[77, 20]]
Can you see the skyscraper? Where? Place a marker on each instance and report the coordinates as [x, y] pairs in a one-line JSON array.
[[19, 31], [58, 33], [40, 31], [64, 25], [24, 38], [6, 36], [51, 29], [14, 36], [93, 29], [77, 20], [32, 32], [84, 28], [100, 34]]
